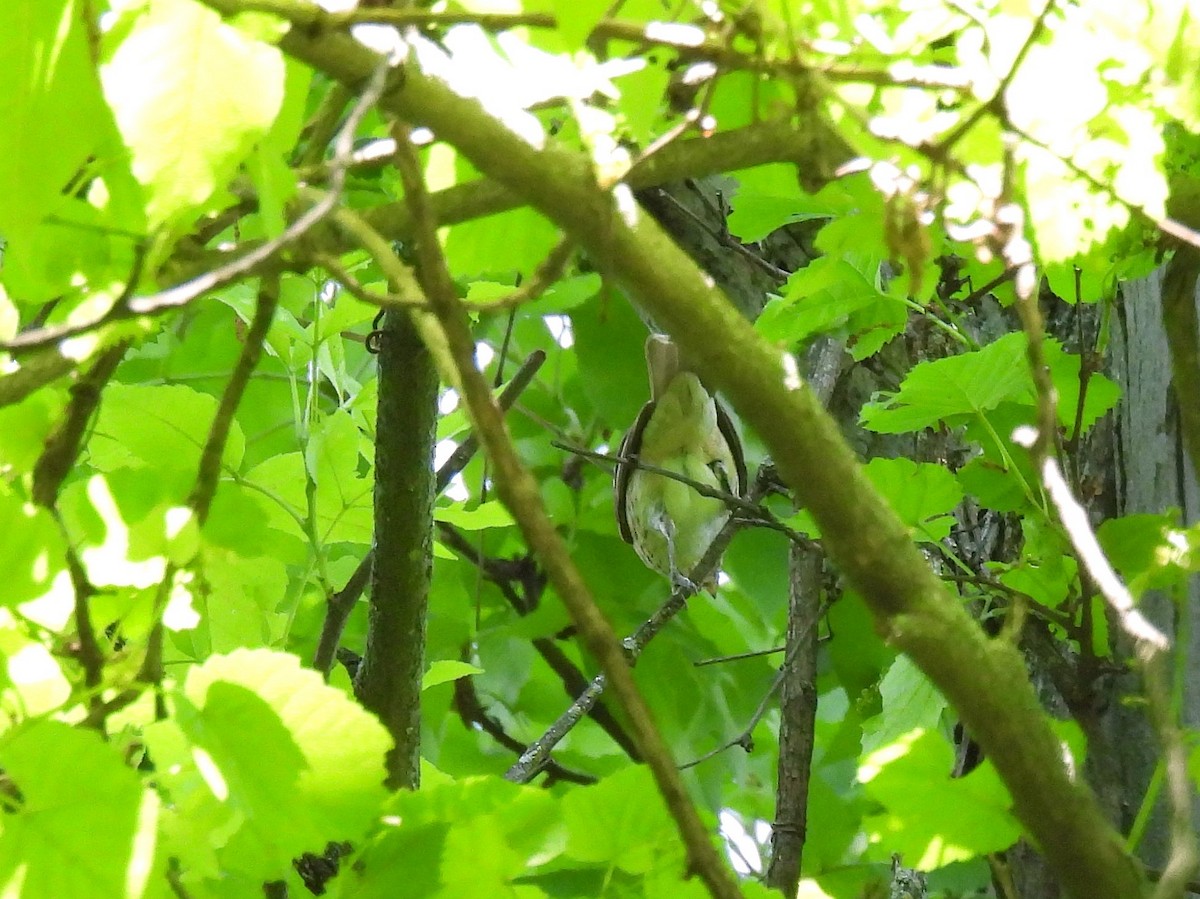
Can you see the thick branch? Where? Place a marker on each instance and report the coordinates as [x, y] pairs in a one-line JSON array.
[[985, 680], [341, 604], [389, 681]]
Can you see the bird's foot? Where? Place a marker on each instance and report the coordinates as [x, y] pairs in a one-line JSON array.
[[681, 581]]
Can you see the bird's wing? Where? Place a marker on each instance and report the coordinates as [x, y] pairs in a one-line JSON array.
[[631, 445]]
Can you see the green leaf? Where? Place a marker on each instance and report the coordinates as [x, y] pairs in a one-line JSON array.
[[576, 20], [1047, 579], [82, 826], [178, 84], [514, 241], [608, 343], [923, 494], [911, 779], [160, 429], [949, 391], [1102, 392], [1151, 551], [32, 551], [754, 216], [621, 821], [445, 670], [32, 679], [271, 759], [910, 703], [833, 296], [562, 296], [50, 102], [491, 514], [428, 833], [133, 545], [243, 605], [343, 496]]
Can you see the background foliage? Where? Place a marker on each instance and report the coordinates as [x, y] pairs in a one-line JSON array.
[[164, 732]]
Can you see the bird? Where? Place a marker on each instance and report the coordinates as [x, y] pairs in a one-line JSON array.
[[682, 429]]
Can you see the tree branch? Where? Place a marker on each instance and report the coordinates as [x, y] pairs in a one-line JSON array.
[[341, 604], [218, 433], [520, 493], [389, 680], [180, 295], [862, 534]]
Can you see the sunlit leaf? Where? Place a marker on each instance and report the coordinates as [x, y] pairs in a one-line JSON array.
[[71, 787], [177, 84]]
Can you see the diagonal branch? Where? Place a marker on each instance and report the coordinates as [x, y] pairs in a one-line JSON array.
[[862, 534], [218, 434], [519, 491], [535, 757]]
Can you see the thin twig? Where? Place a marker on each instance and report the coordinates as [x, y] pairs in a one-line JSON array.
[[547, 272], [531, 761], [63, 445], [725, 239], [355, 288], [745, 739], [739, 656], [473, 714], [755, 513], [182, 294], [979, 293], [218, 433], [997, 97]]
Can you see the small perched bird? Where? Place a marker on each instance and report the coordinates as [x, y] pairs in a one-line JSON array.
[[682, 429]]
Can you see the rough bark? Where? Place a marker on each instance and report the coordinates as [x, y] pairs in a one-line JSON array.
[[1154, 475], [798, 691], [389, 680]]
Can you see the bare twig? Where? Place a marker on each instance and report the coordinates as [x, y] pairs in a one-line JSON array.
[[531, 761], [182, 294], [218, 433], [739, 656], [753, 511], [473, 714], [744, 739], [724, 238], [549, 271], [63, 444]]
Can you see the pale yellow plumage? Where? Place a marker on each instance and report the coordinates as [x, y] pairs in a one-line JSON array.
[[685, 430]]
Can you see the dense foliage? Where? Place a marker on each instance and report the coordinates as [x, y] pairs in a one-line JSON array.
[[206, 205]]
